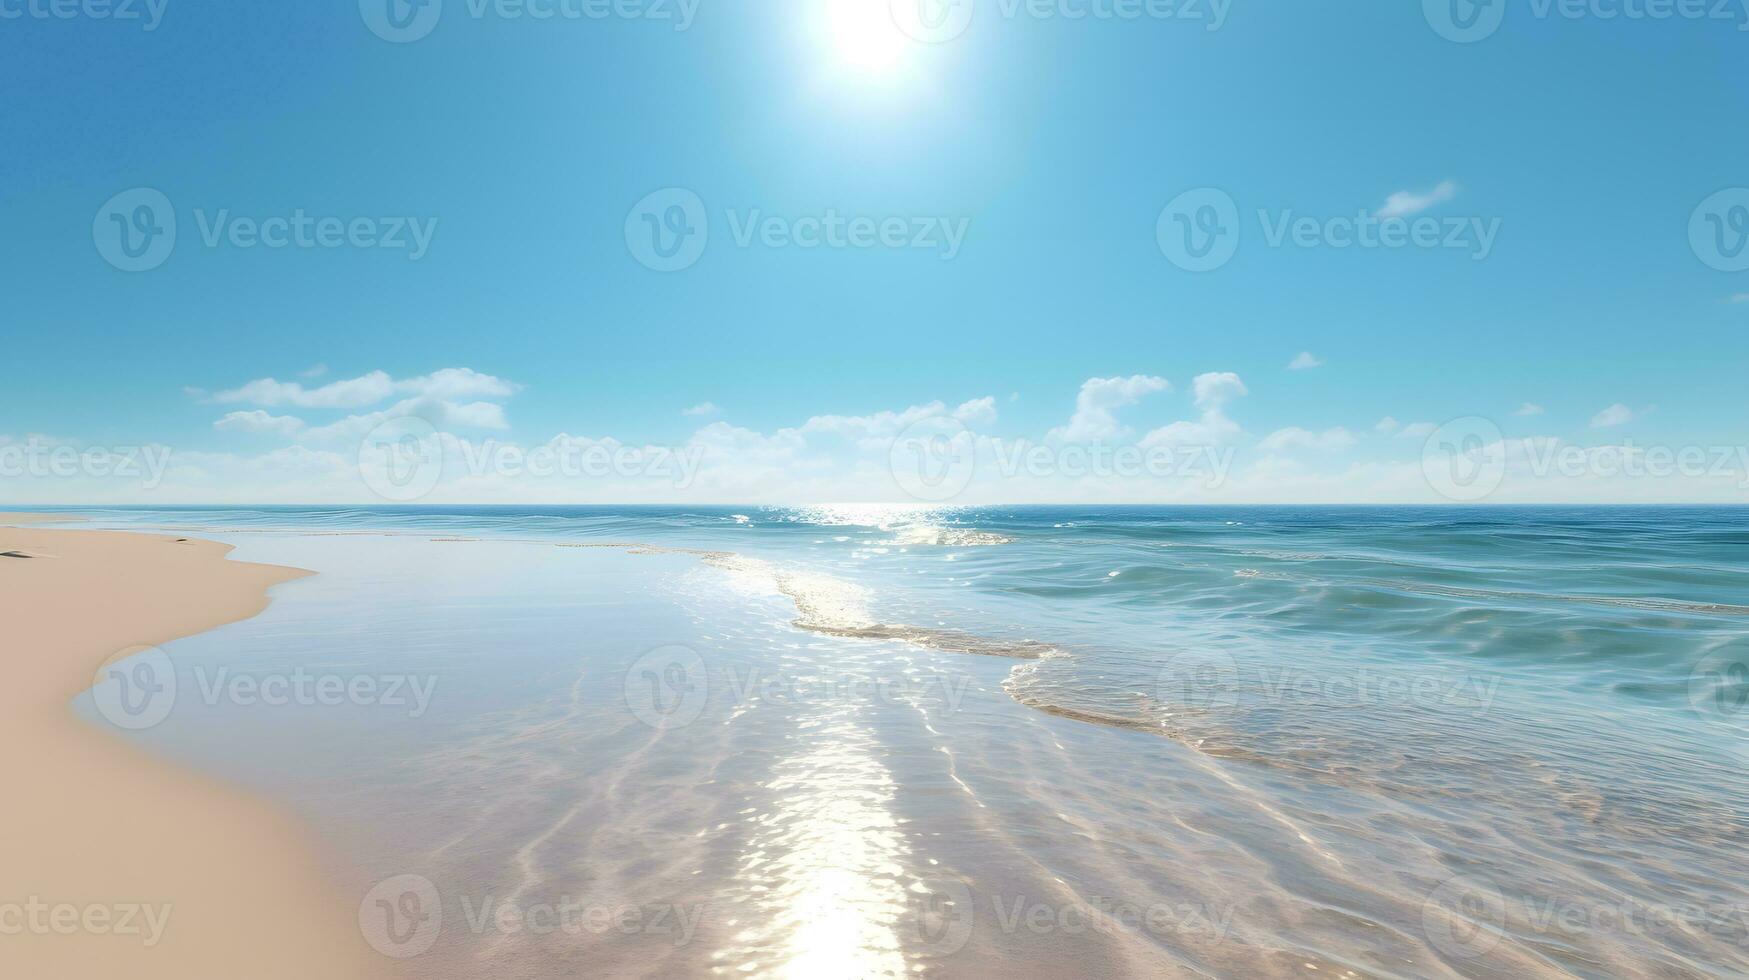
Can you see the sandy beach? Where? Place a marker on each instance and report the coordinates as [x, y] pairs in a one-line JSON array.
[[732, 749], [118, 864]]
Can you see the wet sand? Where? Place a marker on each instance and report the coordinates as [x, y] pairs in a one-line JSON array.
[[118, 864]]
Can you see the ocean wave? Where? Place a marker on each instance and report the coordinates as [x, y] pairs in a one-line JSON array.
[[833, 607], [925, 535]]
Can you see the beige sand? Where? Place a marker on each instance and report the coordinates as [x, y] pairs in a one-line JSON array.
[[90, 823]]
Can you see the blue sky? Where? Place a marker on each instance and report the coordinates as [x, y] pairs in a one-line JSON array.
[[1052, 144]]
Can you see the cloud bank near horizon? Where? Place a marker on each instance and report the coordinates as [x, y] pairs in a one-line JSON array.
[[1125, 439]]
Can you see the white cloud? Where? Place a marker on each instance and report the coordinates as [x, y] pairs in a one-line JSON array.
[[977, 413], [260, 422], [1405, 203], [1617, 414], [886, 424], [453, 383], [473, 415], [844, 457], [1213, 392], [1417, 430], [1216, 389], [369, 389], [1093, 420], [1387, 424], [1212, 429], [1330, 440], [1740, 298], [701, 409], [440, 413], [1529, 408], [314, 371], [1305, 362], [351, 393]]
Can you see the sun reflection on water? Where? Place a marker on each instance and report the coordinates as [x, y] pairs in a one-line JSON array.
[[824, 872]]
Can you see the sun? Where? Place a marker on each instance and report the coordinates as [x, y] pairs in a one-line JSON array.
[[862, 36]]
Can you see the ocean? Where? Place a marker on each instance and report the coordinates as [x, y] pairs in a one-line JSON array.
[[1043, 741]]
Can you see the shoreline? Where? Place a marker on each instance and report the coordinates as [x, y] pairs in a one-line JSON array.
[[172, 874]]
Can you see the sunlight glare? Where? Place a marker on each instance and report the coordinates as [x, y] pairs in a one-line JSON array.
[[863, 36]]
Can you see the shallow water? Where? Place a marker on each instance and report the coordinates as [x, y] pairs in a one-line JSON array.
[[1194, 741]]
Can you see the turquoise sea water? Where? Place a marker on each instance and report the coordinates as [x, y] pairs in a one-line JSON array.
[[1053, 741]]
